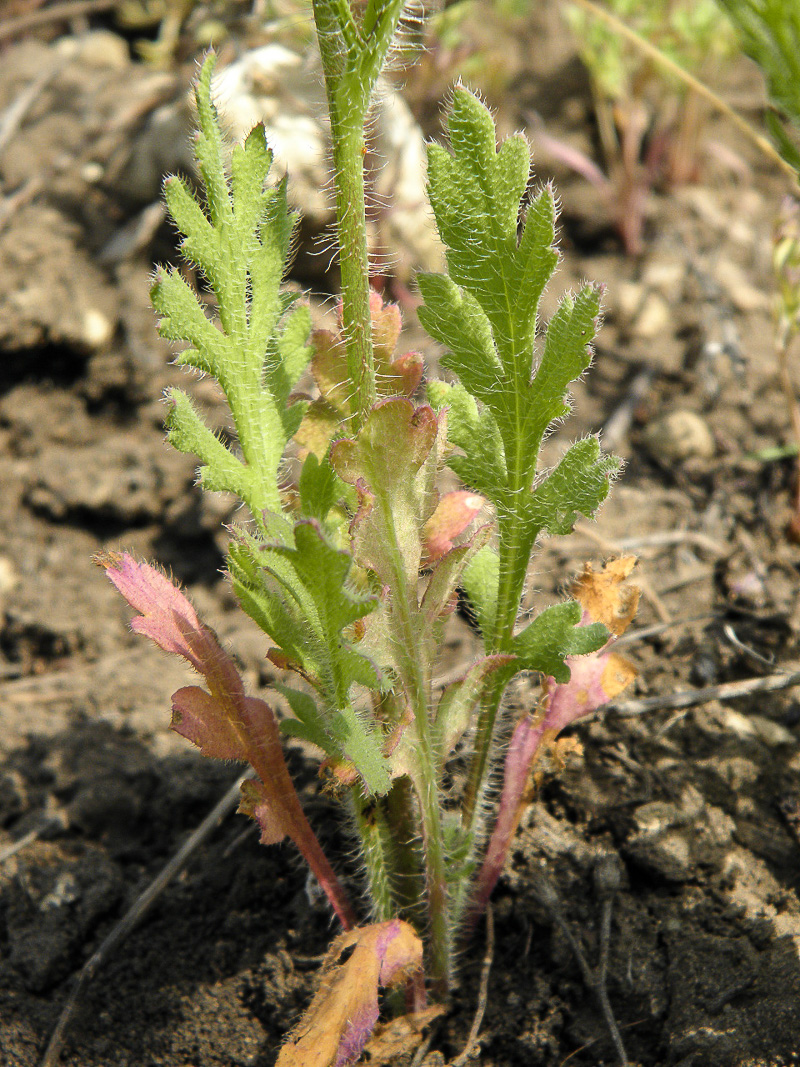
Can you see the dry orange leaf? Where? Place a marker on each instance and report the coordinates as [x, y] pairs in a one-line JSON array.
[[603, 596], [342, 1015], [400, 1036]]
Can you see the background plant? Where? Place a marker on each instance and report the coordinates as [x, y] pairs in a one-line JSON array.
[[352, 567], [769, 31], [648, 122]]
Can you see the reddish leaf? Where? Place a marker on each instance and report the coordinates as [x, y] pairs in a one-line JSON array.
[[223, 722], [403, 375], [595, 679]]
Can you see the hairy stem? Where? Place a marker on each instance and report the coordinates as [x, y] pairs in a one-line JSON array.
[[416, 671], [514, 550], [376, 848], [351, 220], [352, 57], [399, 806]]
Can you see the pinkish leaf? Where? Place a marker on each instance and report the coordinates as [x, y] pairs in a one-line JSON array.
[[453, 514], [257, 802], [196, 716], [329, 369], [387, 322], [521, 752], [223, 722], [402, 375], [595, 679]]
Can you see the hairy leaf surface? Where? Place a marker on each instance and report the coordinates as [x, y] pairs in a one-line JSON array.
[[257, 352]]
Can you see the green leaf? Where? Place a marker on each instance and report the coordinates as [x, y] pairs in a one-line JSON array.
[[240, 240], [309, 723], [474, 430], [454, 317], [500, 256], [480, 581], [221, 470], [317, 487], [552, 636], [300, 594], [485, 312], [579, 484]]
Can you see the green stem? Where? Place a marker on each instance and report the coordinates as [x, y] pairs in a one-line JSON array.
[[514, 549], [351, 220], [376, 848], [416, 675], [352, 58], [428, 797]]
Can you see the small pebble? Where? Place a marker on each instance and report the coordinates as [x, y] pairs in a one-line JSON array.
[[679, 436]]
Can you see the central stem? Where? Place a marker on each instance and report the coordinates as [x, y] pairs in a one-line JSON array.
[[353, 49], [348, 162], [416, 676]]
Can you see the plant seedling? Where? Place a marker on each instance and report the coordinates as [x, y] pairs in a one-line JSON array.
[[648, 126], [770, 34], [353, 570]]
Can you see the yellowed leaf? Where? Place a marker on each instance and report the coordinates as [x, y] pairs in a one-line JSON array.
[[400, 1036], [604, 598], [342, 1015]]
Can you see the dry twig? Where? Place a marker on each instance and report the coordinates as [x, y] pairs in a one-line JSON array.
[[483, 993], [48, 824], [688, 698]]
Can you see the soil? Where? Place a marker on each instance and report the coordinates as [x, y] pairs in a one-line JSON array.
[[698, 806]]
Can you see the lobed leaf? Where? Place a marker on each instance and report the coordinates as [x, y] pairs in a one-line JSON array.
[[240, 240], [300, 593], [552, 636], [223, 721], [474, 430], [500, 258], [578, 485], [220, 469]]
